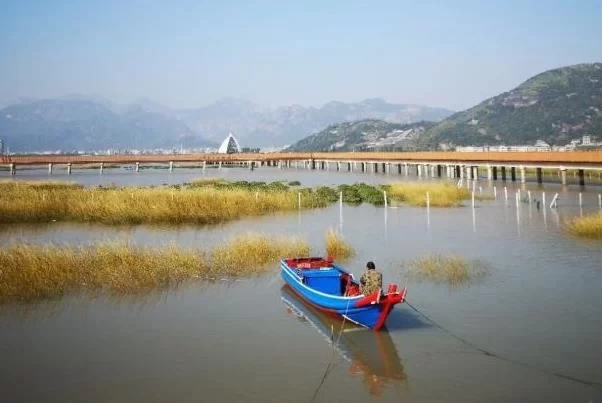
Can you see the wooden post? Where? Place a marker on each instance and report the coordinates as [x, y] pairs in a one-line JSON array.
[[581, 177]]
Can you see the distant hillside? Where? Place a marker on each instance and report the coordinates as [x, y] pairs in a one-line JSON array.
[[555, 106], [363, 135], [258, 126], [70, 124]]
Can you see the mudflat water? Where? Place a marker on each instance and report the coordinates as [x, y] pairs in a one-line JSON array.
[[531, 330]]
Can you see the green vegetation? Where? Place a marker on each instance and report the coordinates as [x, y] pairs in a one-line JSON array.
[[555, 106], [588, 226], [337, 247], [31, 272], [450, 269]]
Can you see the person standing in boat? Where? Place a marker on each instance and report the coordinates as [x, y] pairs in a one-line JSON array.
[[371, 280]]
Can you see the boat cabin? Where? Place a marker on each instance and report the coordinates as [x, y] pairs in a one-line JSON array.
[[324, 276]]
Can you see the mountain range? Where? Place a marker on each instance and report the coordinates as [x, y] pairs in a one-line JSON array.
[[556, 106], [80, 122]]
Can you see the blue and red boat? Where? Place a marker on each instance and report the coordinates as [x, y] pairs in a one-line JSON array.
[[328, 287]]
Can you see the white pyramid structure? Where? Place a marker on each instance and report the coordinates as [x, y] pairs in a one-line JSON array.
[[229, 145]]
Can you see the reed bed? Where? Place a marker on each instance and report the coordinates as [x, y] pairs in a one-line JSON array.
[[31, 272], [449, 269], [43, 202], [588, 226], [440, 194], [337, 247]]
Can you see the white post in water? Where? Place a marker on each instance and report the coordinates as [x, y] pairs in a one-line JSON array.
[[529, 196], [385, 196], [554, 202], [340, 211], [170, 166], [428, 200], [506, 193], [543, 200], [473, 199], [495, 193], [50, 169], [600, 201], [580, 199], [517, 198], [299, 200]]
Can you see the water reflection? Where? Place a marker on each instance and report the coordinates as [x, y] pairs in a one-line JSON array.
[[371, 355]]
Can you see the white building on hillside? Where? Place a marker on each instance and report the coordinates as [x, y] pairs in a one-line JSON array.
[[229, 145]]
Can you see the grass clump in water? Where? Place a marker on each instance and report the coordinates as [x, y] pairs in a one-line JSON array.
[[207, 204], [588, 226], [250, 253], [450, 269], [32, 272], [337, 247], [440, 194]]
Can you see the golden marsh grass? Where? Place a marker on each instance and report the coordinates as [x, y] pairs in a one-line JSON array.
[[450, 269], [31, 272], [588, 226], [337, 247], [440, 194], [42, 202]]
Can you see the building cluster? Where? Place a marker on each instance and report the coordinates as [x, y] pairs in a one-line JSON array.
[[230, 145], [583, 143]]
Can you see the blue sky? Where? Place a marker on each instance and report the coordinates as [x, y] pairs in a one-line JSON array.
[[452, 54]]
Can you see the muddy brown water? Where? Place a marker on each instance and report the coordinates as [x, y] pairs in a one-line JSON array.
[[538, 313]]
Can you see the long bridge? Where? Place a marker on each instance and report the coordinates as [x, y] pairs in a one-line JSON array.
[[436, 164]]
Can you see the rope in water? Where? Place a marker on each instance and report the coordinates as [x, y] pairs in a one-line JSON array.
[[592, 384], [329, 366]]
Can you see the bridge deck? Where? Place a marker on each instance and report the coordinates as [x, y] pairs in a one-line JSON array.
[[591, 158]]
